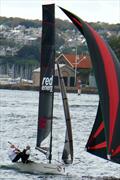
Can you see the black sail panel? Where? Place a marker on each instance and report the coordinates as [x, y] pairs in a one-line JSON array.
[[115, 155], [96, 143], [107, 73], [47, 60], [67, 155]]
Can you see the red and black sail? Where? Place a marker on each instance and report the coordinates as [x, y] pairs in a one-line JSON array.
[[107, 73], [96, 143], [47, 66]]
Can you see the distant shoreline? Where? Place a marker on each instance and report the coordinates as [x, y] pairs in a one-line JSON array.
[[85, 90]]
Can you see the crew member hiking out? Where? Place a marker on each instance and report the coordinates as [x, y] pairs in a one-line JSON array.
[[15, 154]]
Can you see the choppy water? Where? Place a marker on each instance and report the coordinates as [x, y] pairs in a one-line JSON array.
[[18, 124]]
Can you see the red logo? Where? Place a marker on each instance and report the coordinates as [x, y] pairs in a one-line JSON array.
[[42, 122]]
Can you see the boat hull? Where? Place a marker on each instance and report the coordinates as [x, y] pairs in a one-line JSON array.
[[36, 168]]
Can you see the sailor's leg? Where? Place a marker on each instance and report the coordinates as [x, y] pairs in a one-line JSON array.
[[17, 158], [25, 158]]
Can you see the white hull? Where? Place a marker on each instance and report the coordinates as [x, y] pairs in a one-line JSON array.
[[36, 168]]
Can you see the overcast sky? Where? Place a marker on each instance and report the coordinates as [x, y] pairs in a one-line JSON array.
[[89, 10]]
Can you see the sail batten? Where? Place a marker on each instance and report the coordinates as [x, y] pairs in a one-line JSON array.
[[107, 73]]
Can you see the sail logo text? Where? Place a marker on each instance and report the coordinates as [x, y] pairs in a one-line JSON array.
[[47, 84]]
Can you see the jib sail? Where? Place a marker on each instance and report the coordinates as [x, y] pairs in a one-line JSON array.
[[67, 155]]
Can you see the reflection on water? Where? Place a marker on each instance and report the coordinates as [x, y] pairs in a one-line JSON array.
[[18, 124]]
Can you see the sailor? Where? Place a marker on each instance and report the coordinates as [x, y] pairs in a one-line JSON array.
[[25, 154], [14, 153]]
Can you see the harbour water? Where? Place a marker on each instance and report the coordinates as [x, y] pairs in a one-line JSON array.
[[18, 124]]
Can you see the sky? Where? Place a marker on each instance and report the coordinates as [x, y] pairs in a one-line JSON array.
[[89, 10]]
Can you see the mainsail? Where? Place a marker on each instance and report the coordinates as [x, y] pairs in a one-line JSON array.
[[67, 155], [107, 73], [46, 91]]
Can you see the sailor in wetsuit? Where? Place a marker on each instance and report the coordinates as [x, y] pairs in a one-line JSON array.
[[26, 154]]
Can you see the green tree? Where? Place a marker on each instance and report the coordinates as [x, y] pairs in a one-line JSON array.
[[114, 42]]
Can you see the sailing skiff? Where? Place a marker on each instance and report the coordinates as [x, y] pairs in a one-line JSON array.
[[45, 108], [104, 139]]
